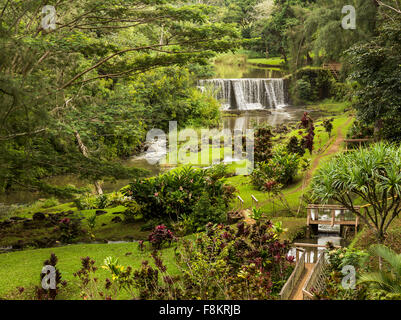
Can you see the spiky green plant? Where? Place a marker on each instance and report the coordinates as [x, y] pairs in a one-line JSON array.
[[387, 280], [373, 175]]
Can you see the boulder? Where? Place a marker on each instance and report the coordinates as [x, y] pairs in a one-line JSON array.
[[39, 216], [116, 220]]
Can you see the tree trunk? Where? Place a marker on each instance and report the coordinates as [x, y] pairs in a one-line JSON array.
[[84, 151], [284, 55], [309, 59], [378, 128]]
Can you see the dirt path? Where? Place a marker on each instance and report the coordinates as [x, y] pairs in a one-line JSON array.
[[297, 292], [334, 148]]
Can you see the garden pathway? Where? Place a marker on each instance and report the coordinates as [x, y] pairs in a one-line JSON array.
[[331, 148], [297, 292]]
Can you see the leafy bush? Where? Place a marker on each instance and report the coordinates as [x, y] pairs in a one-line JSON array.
[[227, 261], [50, 294], [160, 236], [102, 201], [304, 90], [217, 171], [328, 125], [219, 264], [295, 146], [85, 202], [281, 168], [257, 213], [132, 211], [89, 286], [311, 84], [263, 144], [205, 212], [360, 131], [170, 196], [70, 229], [51, 202], [339, 258]]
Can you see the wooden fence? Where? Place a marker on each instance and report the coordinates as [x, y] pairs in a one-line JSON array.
[[317, 278], [296, 274]]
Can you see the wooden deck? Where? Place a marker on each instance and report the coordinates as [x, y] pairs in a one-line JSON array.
[[313, 217]]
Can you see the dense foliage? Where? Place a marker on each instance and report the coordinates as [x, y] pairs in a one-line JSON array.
[[69, 95], [373, 175], [280, 169], [187, 193], [377, 69], [219, 264]]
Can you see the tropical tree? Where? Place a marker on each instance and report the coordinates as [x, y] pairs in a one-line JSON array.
[[319, 33], [370, 175], [386, 280], [66, 95], [376, 67]]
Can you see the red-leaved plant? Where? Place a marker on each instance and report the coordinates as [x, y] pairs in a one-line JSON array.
[[161, 235]]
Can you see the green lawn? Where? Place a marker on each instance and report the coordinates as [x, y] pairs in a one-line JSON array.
[[23, 268], [293, 192], [275, 61]]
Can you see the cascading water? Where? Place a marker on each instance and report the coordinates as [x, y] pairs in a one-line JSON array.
[[247, 94]]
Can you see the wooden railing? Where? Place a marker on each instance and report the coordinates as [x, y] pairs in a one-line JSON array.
[[296, 274], [360, 142], [317, 278], [312, 216]]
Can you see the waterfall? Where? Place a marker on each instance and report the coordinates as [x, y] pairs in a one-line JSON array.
[[247, 94]]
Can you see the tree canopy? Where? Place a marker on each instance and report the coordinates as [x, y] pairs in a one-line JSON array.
[[67, 95]]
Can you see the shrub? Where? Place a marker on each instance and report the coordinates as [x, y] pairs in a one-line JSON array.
[[205, 212], [85, 202], [219, 264], [304, 90], [228, 260], [339, 258], [132, 211], [360, 131], [102, 201], [257, 213], [281, 168], [160, 236], [70, 229], [311, 84], [89, 284], [217, 171], [92, 224], [50, 294], [328, 125], [263, 144], [170, 196], [295, 146], [51, 202]]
